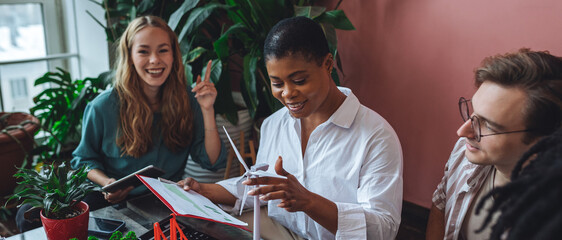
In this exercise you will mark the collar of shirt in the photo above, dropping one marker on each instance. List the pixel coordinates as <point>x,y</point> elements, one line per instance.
<point>476,179</point>
<point>473,173</point>
<point>346,113</point>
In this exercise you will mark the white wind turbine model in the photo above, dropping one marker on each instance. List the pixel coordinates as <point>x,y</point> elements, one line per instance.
<point>258,170</point>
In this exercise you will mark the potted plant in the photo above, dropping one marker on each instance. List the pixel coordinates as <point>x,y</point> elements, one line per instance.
<point>58,191</point>
<point>16,140</point>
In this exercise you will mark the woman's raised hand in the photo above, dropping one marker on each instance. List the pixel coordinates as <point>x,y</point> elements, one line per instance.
<point>205,90</point>
<point>294,197</point>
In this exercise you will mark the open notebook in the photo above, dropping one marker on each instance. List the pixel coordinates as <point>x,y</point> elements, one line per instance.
<point>190,203</point>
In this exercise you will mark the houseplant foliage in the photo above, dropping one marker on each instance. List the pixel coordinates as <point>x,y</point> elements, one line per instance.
<point>233,32</point>
<point>117,235</point>
<point>60,108</point>
<point>57,190</point>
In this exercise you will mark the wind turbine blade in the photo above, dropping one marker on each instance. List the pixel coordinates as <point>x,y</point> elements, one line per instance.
<point>244,199</point>
<point>261,173</point>
<point>236,151</point>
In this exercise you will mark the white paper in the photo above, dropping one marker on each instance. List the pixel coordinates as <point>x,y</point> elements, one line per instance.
<point>190,202</point>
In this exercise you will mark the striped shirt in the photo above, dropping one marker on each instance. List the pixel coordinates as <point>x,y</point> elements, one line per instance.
<point>458,188</point>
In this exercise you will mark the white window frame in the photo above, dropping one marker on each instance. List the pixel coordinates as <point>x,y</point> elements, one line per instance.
<point>54,28</point>
<point>71,33</point>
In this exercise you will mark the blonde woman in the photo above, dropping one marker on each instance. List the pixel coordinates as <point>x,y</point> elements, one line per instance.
<point>150,116</point>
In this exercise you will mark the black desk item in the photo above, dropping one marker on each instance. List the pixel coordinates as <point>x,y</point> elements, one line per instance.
<point>104,226</point>
<point>132,180</point>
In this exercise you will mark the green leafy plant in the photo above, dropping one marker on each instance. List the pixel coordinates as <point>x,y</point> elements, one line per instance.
<point>60,108</point>
<point>56,190</point>
<point>233,32</point>
<point>117,235</point>
<point>5,213</point>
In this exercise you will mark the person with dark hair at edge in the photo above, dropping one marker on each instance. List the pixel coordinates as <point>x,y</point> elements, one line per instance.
<point>343,161</point>
<point>529,207</point>
<point>518,102</point>
<point>149,117</point>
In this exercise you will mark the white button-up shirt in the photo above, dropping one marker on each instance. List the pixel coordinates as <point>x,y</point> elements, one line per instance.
<point>353,159</point>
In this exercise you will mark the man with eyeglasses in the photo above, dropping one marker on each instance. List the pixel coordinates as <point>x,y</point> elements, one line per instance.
<point>518,101</point>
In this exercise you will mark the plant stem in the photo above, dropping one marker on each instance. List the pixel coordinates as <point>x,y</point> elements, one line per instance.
<point>265,83</point>
<point>162,8</point>
<point>109,21</point>
<point>237,64</point>
<point>258,12</point>
<point>338,5</point>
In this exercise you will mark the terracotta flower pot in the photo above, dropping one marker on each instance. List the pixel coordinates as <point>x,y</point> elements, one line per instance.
<point>11,153</point>
<point>63,229</point>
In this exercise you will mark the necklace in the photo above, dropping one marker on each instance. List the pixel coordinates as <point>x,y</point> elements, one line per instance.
<point>494,180</point>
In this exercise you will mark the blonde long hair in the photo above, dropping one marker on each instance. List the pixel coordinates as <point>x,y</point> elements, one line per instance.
<point>135,115</point>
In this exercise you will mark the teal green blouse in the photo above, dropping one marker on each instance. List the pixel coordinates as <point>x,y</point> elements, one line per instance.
<point>98,148</point>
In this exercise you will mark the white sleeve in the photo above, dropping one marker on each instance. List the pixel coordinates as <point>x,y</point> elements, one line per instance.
<point>379,195</point>
<point>233,186</point>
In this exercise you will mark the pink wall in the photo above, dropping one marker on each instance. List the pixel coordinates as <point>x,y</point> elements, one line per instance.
<point>410,60</point>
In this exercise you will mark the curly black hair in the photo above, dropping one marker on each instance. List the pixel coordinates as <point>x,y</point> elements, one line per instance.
<point>530,205</point>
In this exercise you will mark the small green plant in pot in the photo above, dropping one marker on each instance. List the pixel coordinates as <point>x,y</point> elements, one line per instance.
<point>58,191</point>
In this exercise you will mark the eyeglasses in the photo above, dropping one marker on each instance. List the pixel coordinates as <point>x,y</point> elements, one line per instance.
<point>475,121</point>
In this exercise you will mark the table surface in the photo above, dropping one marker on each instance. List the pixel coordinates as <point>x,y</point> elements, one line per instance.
<point>139,215</point>
<point>133,221</point>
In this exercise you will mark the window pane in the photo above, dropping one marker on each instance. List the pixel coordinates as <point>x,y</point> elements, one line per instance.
<point>22,33</point>
<point>17,84</point>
